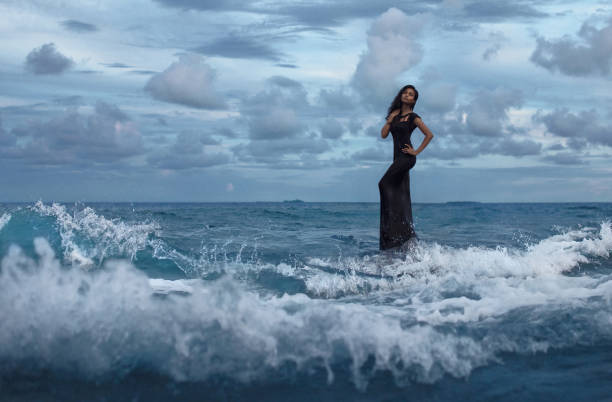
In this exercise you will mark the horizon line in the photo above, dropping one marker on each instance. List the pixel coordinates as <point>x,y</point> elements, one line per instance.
<point>306,202</point>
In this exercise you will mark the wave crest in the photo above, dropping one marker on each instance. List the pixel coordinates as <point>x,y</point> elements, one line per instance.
<point>87,237</point>
<point>106,323</point>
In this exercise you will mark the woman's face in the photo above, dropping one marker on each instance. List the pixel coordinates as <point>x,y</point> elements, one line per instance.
<point>408,96</point>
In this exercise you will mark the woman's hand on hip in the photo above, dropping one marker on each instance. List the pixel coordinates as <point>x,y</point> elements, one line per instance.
<point>409,150</point>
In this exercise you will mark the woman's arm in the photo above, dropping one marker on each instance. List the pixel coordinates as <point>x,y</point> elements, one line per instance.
<point>428,136</point>
<point>384,132</point>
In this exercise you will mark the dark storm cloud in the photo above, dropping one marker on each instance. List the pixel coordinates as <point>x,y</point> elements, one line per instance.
<point>284,82</point>
<point>227,132</point>
<point>111,111</point>
<point>586,125</point>
<point>189,82</point>
<point>72,138</point>
<point>491,51</point>
<point>331,128</point>
<point>555,147</point>
<point>47,60</point>
<point>235,46</point>
<point>451,142</point>
<point>285,65</point>
<point>489,109</point>
<point>460,26</point>
<point>356,125</point>
<point>589,55</point>
<point>6,138</point>
<point>565,158</point>
<point>496,39</point>
<point>452,150</point>
<point>456,147</point>
<point>79,26</point>
<point>159,119</point>
<point>274,152</point>
<point>372,154</point>
<point>213,5</point>
<point>511,147</point>
<point>322,14</point>
<point>336,13</point>
<point>373,131</point>
<point>437,97</point>
<point>311,13</point>
<point>143,72</point>
<point>115,65</point>
<point>188,151</point>
<point>23,110</point>
<point>337,99</point>
<point>308,162</point>
<point>501,10</point>
<point>201,160</point>
<point>577,143</point>
<point>307,144</point>
<point>73,100</point>
<point>517,184</point>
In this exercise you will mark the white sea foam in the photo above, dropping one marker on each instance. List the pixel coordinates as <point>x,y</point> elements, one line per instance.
<point>106,322</point>
<point>435,285</point>
<point>4,219</point>
<point>442,285</point>
<point>433,262</point>
<point>165,286</point>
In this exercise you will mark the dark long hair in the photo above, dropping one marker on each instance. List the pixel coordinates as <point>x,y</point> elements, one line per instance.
<point>397,101</point>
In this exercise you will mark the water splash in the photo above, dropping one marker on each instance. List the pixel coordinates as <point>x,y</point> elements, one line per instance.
<point>104,324</point>
<point>88,238</point>
<point>4,219</point>
<point>432,262</point>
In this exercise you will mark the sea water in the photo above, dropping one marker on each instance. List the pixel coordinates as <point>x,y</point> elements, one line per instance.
<point>294,301</point>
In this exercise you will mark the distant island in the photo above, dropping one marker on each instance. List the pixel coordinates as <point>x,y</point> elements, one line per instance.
<point>294,201</point>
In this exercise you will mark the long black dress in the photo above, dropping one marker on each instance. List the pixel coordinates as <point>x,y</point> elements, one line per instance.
<point>396,226</point>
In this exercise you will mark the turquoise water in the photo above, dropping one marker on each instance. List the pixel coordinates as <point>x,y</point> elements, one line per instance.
<point>278,301</point>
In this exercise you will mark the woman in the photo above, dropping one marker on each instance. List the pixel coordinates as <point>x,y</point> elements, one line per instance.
<point>395,206</point>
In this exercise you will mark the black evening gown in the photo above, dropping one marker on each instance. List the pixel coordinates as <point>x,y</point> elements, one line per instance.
<point>396,226</point>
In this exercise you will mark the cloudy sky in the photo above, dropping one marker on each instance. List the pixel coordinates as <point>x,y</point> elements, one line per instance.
<point>211,100</point>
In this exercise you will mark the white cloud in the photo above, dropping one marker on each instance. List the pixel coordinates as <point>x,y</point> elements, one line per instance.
<point>189,81</point>
<point>392,50</point>
<point>489,109</point>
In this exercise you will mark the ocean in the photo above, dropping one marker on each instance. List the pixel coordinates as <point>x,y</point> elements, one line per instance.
<point>293,301</point>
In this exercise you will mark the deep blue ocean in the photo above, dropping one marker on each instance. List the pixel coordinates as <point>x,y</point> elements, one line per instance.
<point>294,302</point>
